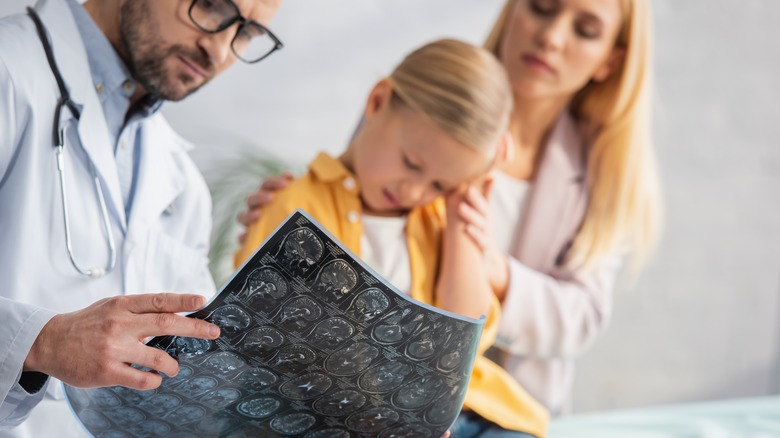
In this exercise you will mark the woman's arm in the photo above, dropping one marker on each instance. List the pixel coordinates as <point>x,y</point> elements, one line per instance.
<point>558,313</point>
<point>544,314</point>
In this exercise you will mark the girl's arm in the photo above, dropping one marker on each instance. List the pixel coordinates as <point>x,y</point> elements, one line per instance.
<point>463,286</point>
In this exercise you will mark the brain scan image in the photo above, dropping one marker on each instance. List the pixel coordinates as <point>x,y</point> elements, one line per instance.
<point>352,359</point>
<point>197,386</point>
<point>369,304</point>
<point>332,332</point>
<point>105,398</point>
<point>295,357</point>
<point>114,434</point>
<point>417,394</point>
<point>150,428</point>
<point>412,431</point>
<point>306,387</point>
<point>301,250</point>
<point>215,425</point>
<point>336,279</point>
<point>292,424</point>
<point>224,363</point>
<point>257,379</point>
<point>384,377</point>
<point>340,403</point>
<point>331,432</point>
<point>125,415</point>
<point>260,407</point>
<point>219,398</point>
<point>94,419</point>
<point>160,404</point>
<point>263,339</point>
<point>372,420</point>
<point>265,284</point>
<point>450,361</point>
<point>397,325</point>
<point>190,346</point>
<point>230,318</point>
<point>314,345</point>
<point>185,414</point>
<point>133,396</point>
<point>300,312</point>
<point>447,407</point>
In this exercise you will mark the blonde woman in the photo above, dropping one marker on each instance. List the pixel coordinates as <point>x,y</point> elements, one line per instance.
<point>432,128</point>
<point>580,190</point>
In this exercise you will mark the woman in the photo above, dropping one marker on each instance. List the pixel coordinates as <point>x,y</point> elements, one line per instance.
<point>580,190</point>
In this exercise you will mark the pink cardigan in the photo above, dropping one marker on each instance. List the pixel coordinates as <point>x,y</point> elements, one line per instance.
<point>551,313</point>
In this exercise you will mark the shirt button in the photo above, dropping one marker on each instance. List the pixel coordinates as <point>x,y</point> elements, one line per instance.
<point>128,86</point>
<point>123,144</point>
<point>353,216</point>
<point>100,88</point>
<point>349,183</point>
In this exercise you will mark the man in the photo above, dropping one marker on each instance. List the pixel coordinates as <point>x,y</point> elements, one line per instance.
<point>119,208</point>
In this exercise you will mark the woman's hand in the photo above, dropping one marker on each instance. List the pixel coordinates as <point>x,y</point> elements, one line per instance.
<point>259,199</point>
<point>473,211</point>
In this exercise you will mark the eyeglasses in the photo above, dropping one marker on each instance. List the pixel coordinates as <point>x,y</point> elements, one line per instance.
<point>253,41</point>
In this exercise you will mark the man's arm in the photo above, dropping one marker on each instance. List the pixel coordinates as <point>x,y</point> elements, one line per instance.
<point>91,347</point>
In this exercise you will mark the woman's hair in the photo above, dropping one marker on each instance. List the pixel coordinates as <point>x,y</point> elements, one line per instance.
<point>463,89</point>
<point>624,194</point>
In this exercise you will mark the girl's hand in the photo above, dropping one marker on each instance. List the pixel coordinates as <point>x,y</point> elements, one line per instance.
<point>259,199</point>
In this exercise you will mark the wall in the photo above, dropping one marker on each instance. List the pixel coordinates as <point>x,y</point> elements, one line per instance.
<point>702,320</point>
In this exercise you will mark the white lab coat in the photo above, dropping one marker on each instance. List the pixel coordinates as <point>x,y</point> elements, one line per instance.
<point>163,246</point>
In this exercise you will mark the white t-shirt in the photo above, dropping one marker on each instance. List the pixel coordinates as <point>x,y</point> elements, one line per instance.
<point>383,246</point>
<point>507,201</point>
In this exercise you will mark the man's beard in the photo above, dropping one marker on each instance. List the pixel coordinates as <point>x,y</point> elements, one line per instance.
<point>146,56</point>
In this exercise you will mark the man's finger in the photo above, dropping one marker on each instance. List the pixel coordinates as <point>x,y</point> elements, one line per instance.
<point>155,359</point>
<point>259,199</point>
<point>162,303</point>
<point>276,182</point>
<point>125,375</point>
<point>247,218</point>
<point>170,324</point>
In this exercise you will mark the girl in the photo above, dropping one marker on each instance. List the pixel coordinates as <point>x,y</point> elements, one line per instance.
<point>430,128</point>
<point>579,190</point>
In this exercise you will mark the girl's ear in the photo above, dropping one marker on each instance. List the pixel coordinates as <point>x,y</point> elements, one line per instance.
<point>612,64</point>
<point>379,98</point>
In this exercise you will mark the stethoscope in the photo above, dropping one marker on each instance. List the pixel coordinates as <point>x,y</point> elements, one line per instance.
<point>59,146</point>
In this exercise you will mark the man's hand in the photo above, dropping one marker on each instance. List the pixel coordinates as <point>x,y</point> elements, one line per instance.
<point>96,345</point>
<point>259,199</point>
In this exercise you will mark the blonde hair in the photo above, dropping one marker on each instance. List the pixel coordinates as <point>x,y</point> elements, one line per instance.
<point>624,194</point>
<point>461,88</point>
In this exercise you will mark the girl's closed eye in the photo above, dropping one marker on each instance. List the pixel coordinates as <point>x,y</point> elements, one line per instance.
<point>409,164</point>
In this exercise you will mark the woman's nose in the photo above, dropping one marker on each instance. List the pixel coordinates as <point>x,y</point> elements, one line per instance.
<point>552,35</point>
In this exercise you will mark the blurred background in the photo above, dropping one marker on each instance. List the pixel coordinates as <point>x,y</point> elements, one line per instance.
<point>702,322</point>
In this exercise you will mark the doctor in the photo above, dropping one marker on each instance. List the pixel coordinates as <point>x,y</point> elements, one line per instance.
<point>98,197</point>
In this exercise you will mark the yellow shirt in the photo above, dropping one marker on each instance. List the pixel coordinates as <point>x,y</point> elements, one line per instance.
<point>330,194</point>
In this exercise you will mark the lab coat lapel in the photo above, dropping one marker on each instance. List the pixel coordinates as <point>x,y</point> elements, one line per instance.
<point>73,63</point>
<point>160,178</point>
<point>557,197</point>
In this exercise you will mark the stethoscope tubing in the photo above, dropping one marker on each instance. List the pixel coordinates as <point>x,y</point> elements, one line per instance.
<point>59,140</point>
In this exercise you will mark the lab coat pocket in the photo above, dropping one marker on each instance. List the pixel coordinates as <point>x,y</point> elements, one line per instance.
<point>170,265</point>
